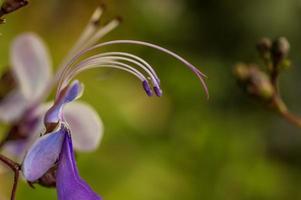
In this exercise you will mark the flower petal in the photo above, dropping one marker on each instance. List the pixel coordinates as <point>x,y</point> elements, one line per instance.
<point>31,64</point>
<point>68,94</point>
<point>69,185</point>
<point>12,107</point>
<point>85,124</point>
<point>43,154</point>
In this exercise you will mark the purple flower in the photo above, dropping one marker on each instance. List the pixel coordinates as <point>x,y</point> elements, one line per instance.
<point>53,151</point>
<point>24,108</point>
<point>69,184</point>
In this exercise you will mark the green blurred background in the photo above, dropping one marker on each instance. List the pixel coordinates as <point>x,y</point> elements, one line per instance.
<point>180,146</point>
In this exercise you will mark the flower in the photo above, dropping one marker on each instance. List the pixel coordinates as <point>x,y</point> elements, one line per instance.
<point>53,152</point>
<point>55,149</point>
<point>23,106</point>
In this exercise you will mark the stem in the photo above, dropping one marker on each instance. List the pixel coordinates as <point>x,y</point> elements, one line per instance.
<point>285,113</point>
<point>292,118</point>
<point>15,167</point>
<point>274,79</point>
<point>277,100</point>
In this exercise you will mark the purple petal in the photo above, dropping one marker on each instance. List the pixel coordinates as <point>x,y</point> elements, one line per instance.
<point>69,185</point>
<point>31,64</point>
<point>68,94</point>
<point>43,154</point>
<point>85,124</point>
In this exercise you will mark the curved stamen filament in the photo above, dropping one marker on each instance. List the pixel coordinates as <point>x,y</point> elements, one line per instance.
<point>129,55</point>
<point>88,40</point>
<point>102,32</point>
<point>85,43</point>
<point>104,62</point>
<point>98,63</point>
<point>88,37</point>
<point>153,77</point>
<point>90,29</point>
<point>199,74</point>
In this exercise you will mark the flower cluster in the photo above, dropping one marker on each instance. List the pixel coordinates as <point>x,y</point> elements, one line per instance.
<point>262,81</point>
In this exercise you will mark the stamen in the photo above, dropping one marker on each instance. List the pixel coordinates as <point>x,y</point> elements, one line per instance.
<point>100,63</point>
<point>106,62</point>
<point>142,61</point>
<point>88,40</point>
<point>88,31</point>
<point>152,46</point>
<point>158,91</point>
<point>181,59</point>
<point>139,64</point>
<point>199,74</point>
<point>147,88</point>
<point>102,32</point>
<point>95,18</point>
<point>102,59</point>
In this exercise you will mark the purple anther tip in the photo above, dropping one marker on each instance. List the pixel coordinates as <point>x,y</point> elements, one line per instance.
<point>158,91</point>
<point>147,88</point>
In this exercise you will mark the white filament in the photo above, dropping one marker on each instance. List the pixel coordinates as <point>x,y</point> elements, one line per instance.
<point>101,32</point>
<point>142,61</point>
<point>153,77</point>
<point>103,61</point>
<point>200,75</point>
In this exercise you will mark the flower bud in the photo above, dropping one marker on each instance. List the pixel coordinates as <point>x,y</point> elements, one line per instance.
<point>241,72</point>
<point>254,81</point>
<point>261,85</point>
<point>264,47</point>
<point>280,49</point>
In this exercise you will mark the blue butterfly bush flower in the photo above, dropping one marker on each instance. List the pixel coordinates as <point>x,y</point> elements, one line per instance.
<point>53,151</point>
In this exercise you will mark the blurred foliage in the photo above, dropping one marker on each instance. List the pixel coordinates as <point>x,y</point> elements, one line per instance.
<point>179,146</point>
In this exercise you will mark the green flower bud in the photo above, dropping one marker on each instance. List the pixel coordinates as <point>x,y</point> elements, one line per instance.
<point>241,72</point>
<point>254,81</point>
<point>261,84</point>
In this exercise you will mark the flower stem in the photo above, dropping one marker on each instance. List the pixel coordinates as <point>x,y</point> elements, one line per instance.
<point>278,102</point>
<point>15,167</point>
<point>282,109</point>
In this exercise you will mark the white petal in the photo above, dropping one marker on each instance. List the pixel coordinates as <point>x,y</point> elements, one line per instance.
<point>85,124</point>
<point>31,64</point>
<point>12,106</point>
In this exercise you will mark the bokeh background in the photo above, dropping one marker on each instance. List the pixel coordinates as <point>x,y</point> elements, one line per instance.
<point>180,146</point>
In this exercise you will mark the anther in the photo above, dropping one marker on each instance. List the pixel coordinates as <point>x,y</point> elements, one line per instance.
<point>158,91</point>
<point>147,88</point>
